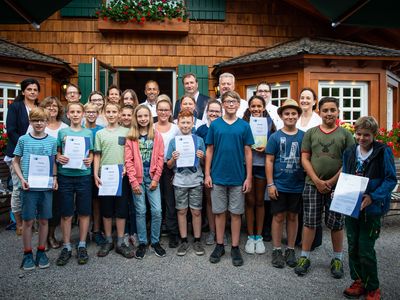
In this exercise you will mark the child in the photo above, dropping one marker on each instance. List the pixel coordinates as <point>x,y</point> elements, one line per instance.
<point>144,152</point>
<point>73,187</point>
<point>188,185</point>
<point>226,174</point>
<point>126,116</point>
<point>35,202</point>
<point>109,150</point>
<point>285,178</point>
<point>322,150</point>
<point>374,160</point>
<point>255,199</point>
<point>130,98</point>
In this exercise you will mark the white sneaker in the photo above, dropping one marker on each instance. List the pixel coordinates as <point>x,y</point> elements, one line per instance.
<point>250,246</point>
<point>260,248</point>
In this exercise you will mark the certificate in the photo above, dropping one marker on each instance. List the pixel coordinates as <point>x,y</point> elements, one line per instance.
<point>348,194</point>
<point>111,180</point>
<point>259,128</point>
<point>76,149</point>
<point>187,151</point>
<point>40,175</point>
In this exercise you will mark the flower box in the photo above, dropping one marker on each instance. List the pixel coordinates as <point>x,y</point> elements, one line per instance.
<point>172,26</point>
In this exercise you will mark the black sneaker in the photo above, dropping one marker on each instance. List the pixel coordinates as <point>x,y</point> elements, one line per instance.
<point>215,256</point>
<point>303,264</point>
<point>82,255</point>
<point>337,268</point>
<point>290,258</point>
<point>278,261</point>
<point>105,249</point>
<point>64,257</point>
<point>98,238</point>
<point>173,241</point>
<point>141,251</point>
<point>125,251</point>
<point>237,259</point>
<point>158,250</point>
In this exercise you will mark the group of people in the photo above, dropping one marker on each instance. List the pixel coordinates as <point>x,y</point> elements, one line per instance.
<point>284,174</point>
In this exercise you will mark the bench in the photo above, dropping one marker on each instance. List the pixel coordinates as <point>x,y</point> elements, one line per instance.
<point>5,194</point>
<point>395,203</point>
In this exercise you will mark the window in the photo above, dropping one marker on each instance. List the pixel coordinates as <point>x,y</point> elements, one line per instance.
<point>353,98</point>
<point>280,92</point>
<point>8,92</point>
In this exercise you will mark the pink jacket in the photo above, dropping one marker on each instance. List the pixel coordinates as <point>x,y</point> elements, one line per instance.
<point>134,164</point>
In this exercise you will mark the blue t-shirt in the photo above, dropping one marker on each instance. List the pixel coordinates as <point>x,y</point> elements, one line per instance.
<point>94,131</point>
<point>202,131</point>
<point>229,140</point>
<point>146,149</point>
<point>288,173</point>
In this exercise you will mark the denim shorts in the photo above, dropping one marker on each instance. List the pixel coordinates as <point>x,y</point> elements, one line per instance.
<point>36,204</point>
<point>78,188</point>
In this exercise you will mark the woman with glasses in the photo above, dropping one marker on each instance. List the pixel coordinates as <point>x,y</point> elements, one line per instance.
<point>97,98</point>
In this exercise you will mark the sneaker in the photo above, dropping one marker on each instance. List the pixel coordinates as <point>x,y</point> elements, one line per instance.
<point>133,240</point>
<point>42,261</point>
<point>355,290</point>
<point>250,247</point>
<point>198,248</point>
<point>337,268</point>
<point>64,257</point>
<point>141,251</point>
<point>237,259</point>
<point>183,248</point>
<point>125,250</point>
<point>278,261</point>
<point>373,295</point>
<point>303,264</point>
<point>105,249</point>
<point>210,240</point>
<point>98,238</point>
<point>27,262</point>
<point>164,230</point>
<point>173,241</point>
<point>290,257</point>
<point>260,248</point>
<point>82,255</point>
<point>158,250</point>
<point>215,256</point>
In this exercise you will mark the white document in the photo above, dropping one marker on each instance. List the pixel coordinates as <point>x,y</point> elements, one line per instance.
<point>75,150</point>
<point>348,194</point>
<point>111,180</point>
<point>40,168</point>
<point>187,151</point>
<point>259,129</point>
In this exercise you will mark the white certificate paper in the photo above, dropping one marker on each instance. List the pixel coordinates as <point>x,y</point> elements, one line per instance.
<point>259,128</point>
<point>348,194</point>
<point>76,150</point>
<point>111,180</point>
<point>40,174</point>
<point>187,151</point>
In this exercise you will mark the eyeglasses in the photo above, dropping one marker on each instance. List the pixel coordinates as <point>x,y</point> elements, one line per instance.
<point>231,102</point>
<point>263,91</point>
<point>97,100</point>
<point>73,93</point>
<point>214,111</point>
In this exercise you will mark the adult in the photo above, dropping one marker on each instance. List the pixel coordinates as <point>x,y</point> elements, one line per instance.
<point>264,90</point>
<point>152,91</point>
<point>191,87</point>
<point>129,97</point>
<point>113,94</point>
<point>17,123</point>
<point>73,94</point>
<point>97,98</point>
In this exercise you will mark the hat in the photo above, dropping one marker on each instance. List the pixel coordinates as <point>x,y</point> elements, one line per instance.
<point>290,103</point>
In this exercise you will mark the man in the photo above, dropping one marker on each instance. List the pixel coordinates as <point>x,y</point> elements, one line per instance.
<point>152,91</point>
<point>73,95</point>
<point>264,90</point>
<point>191,87</point>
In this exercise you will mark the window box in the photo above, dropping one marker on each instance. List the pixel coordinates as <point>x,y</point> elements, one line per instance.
<point>172,26</point>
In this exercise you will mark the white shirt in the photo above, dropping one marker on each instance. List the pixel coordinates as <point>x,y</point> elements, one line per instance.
<point>314,121</point>
<point>49,131</point>
<point>152,108</point>
<point>168,136</point>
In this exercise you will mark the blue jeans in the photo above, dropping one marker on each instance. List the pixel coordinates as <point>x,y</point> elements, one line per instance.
<point>155,205</point>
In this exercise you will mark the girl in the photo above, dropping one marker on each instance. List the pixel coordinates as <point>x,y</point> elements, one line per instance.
<point>144,159</point>
<point>255,199</point>
<point>189,103</point>
<point>113,94</point>
<point>168,131</point>
<point>97,98</point>
<point>129,97</point>
<point>213,111</point>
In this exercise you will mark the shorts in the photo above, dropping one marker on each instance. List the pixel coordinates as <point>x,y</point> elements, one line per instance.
<point>313,206</point>
<point>36,204</point>
<point>116,206</point>
<point>259,172</point>
<point>75,192</point>
<point>188,197</point>
<point>95,189</point>
<point>225,198</point>
<point>290,202</point>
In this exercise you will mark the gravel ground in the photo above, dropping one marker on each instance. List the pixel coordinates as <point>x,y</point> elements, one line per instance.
<point>191,276</point>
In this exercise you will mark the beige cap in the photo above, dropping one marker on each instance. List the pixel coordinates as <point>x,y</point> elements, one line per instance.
<point>290,103</point>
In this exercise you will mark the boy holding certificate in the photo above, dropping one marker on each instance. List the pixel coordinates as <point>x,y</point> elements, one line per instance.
<point>374,160</point>
<point>75,145</point>
<point>37,173</point>
<point>188,180</point>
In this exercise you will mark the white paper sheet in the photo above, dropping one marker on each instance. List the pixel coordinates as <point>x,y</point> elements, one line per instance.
<point>111,179</point>
<point>187,151</point>
<point>75,150</point>
<point>39,175</point>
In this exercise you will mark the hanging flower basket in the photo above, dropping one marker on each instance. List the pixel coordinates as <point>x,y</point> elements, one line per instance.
<point>167,26</point>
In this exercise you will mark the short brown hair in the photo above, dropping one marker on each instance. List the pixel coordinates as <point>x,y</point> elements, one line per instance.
<point>48,101</point>
<point>73,85</point>
<point>184,114</point>
<point>38,113</point>
<point>367,122</point>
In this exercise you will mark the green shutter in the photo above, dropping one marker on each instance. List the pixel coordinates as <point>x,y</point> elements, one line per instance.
<point>206,9</point>
<point>202,77</point>
<point>85,80</point>
<point>81,8</point>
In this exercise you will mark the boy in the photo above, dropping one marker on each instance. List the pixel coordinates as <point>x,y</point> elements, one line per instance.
<point>109,150</point>
<point>322,150</point>
<point>188,185</point>
<point>226,174</point>
<point>73,186</point>
<point>285,182</point>
<point>374,160</point>
<point>35,202</point>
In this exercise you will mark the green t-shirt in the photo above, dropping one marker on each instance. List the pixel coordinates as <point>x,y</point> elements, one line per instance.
<point>110,143</point>
<point>326,150</point>
<point>62,134</point>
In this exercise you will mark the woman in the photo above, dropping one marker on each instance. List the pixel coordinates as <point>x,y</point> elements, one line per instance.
<point>97,98</point>
<point>129,97</point>
<point>17,124</point>
<point>113,94</point>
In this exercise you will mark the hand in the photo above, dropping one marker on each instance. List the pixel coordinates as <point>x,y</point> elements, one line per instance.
<point>25,185</point>
<point>87,161</point>
<point>260,149</point>
<point>200,154</point>
<point>273,192</point>
<point>323,187</point>
<point>137,190</point>
<point>247,185</point>
<point>123,171</point>
<point>62,159</point>
<point>97,181</point>
<point>153,185</point>
<point>175,155</point>
<point>55,184</point>
<point>366,201</point>
<point>208,181</point>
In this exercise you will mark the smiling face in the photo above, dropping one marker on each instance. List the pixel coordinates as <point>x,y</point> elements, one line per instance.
<point>126,117</point>
<point>91,115</point>
<point>128,99</point>
<point>188,104</point>
<point>185,125</point>
<point>143,117</point>
<point>75,114</point>
<point>264,91</point>
<point>214,111</point>
<point>364,138</point>
<point>190,85</point>
<point>307,100</point>
<point>256,108</point>
<point>163,111</point>
<point>329,112</point>
<point>230,105</point>
<point>31,92</point>
<point>72,94</point>
<point>38,125</point>
<point>112,114</point>
<point>98,100</point>
<point>52,109</point>
<point>226,84</point>
<point>289,117</point>
<point>152,91</point>
<point>114,96</point>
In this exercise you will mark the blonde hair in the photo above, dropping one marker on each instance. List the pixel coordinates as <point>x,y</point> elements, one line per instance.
<point>91,105</point>
<point>134,132</point>
<point>38,113</point>
<point>113,104</point>
<point>165,99</point>
<point>75,103</point>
